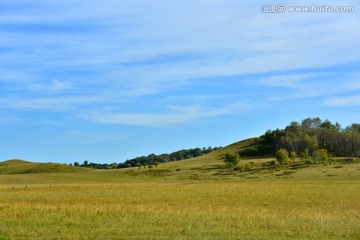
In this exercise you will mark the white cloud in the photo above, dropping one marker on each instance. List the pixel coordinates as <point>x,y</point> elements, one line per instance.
<point>139,48</point>
<point>11,119</point>
<point>91,137</point>
<point>51,103</point>
<point>54,85</point>
<point>175,115</point>
<point>15,77</point>
<point>321,83</point>
<point>293,81</point>
<point>343,101</point>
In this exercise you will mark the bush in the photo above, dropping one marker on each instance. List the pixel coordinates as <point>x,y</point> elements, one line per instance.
<point>231,159</point>
<point>293,155</point>
<point>243,167</point>
<point>282,156</point>
<point>252,151</point>
<point>319,155</point>
<point>305,155</point>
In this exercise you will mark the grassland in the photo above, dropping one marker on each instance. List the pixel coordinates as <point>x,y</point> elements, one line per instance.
<point>242,210</point>
<point>198,198</point>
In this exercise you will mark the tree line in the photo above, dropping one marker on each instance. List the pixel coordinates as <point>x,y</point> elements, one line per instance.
<point>152,159</point>
<point>313,141</point>
<point>174,156</point>
<point>311,135</point>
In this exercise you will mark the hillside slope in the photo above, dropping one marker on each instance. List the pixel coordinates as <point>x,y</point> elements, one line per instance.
<point>211,167</point>
<point>16,166</point>
<point>216,157</point>
<point>205,164</point>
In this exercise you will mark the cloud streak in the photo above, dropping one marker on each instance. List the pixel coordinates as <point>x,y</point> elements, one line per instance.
<point>175,115</point>
<point>51,103</point>
<point>132,50</point>
<point>104,68</point>
<point>348,101</point>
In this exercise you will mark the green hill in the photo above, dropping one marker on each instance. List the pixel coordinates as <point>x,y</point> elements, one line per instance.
<point>202,167</point>
<point>17,166</point>
<point>211,166</point>
<point>216,157</point>
<point>208,164</point>
<point>205,167</point>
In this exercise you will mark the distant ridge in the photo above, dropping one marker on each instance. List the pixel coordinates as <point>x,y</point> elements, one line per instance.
<point>17,166</point>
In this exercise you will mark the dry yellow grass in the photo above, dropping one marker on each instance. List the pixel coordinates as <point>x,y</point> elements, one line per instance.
<point>192,199</point>
<point>278,209</point>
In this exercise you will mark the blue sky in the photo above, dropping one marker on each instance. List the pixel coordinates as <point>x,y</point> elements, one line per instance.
<point>106,81</point>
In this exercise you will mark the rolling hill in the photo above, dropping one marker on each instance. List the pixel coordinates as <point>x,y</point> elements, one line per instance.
<point>17,166</point>
<point>206,167</point>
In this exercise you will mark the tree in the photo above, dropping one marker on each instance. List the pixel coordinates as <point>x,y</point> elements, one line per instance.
<point>306,154</point>
<point>156,164</point>
<point>316,156</point>
<point>319,155</point>
<point>282,156</point>
<point>323,154</point>
<point>138,165</point>
<point>76,164</point>
<point>355,127</point>
<point>231,159</point>
<point>86,162</point>
<point>293,155</point>
<point>327,125</point>
<point>310,143</point>
<point>294,127</point>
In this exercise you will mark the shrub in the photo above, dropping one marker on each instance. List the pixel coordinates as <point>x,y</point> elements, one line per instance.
<point>319,155</point>
<point>282,156</point>
<point>243,167</point>
<point>231,159</point>
<point>293,155</point>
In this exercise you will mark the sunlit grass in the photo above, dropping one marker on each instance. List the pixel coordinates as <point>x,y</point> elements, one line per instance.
<point>199,198</point>
<point>257,210</point>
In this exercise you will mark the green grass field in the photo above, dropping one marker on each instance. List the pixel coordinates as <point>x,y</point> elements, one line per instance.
<point>198,198</point>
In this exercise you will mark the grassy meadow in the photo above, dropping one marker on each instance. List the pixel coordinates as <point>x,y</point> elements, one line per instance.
<point>199,198</point>
<point>279,209</point>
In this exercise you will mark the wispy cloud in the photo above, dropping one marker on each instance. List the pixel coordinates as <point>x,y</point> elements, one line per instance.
<point>10,119</point>
<point>53,85</point>
<point>174,115</point>
<point>52,103</point>
<point>127,51</point>
<point>93,138</point>
<point>317,83</point>
<point>99,67</point>
<point>346,101</point>
<point>293,81</point>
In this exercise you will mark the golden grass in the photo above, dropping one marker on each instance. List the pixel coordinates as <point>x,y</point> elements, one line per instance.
<point>278,209</point>
<point>198,198</point>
